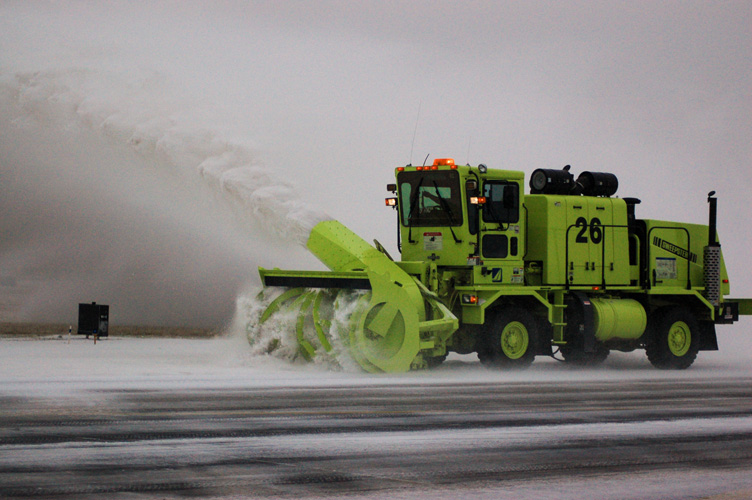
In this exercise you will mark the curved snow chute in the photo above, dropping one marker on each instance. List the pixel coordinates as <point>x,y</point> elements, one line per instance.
<point>395,317</point>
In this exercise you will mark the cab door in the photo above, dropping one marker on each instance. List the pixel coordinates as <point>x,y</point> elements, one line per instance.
<point>502,237</point>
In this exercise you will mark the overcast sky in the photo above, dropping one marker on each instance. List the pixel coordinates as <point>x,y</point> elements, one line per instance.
<point>326,96</point>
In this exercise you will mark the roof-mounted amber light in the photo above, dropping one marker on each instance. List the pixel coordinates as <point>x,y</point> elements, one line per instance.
<point>447,162</point>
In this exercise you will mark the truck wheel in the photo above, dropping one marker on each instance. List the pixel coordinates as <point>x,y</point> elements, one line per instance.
<point>674,339</point>
<point>510,339</point>
<point>577,356</point>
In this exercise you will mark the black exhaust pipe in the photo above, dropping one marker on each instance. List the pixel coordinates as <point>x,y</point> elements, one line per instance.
<point>712,237</point>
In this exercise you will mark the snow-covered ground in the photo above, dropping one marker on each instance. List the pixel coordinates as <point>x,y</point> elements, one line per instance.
<point>53,366</point>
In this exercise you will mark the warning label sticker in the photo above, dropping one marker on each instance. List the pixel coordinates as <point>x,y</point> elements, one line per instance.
<point>432,242</point>
<point>518,275</point>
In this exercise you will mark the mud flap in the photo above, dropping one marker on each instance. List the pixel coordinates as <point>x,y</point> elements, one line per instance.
<point>708,339</point>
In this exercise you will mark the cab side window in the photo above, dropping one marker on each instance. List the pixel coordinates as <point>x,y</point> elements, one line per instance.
<point>502,202</point>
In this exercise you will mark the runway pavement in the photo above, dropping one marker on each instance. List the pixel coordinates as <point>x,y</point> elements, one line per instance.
<point>670,438</point>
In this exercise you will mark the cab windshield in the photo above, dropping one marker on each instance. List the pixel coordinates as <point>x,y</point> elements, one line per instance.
<point>430,198</point>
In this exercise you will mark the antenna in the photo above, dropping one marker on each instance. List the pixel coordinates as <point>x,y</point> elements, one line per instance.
<point>415,132</point>
<point>424,161</point>
<point>469,141</point>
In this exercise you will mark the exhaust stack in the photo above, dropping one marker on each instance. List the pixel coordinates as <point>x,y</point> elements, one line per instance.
<point>712,256</point>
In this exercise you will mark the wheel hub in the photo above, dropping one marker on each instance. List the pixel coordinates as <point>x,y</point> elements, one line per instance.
<point>679,338</point>
<point>514,340</point>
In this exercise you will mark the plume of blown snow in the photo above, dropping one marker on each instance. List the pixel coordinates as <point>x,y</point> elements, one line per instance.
<point>140,113</point>
<point>118,189</point>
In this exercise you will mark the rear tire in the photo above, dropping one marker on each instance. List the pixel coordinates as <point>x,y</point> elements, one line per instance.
<point>510,339</point>
<point>674,339</point>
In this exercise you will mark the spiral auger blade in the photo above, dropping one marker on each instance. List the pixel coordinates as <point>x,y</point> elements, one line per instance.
<point>378,330</point>
<point>312,311</point>
<point>386,318</point>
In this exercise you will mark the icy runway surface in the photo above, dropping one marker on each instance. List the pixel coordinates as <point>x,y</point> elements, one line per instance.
<point>146,418</point>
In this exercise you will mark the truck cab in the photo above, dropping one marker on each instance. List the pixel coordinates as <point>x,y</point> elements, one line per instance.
<point>461,217</point>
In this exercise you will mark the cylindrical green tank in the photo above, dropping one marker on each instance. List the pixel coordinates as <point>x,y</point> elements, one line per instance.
<point>618,318</point>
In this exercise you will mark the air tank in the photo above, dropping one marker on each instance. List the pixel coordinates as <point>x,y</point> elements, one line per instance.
<point>618,318</point>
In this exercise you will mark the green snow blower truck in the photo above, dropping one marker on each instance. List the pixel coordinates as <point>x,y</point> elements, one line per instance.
<point>568,269</point>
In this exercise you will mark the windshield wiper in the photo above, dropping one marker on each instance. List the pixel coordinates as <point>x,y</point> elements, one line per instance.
<point>449,213</point>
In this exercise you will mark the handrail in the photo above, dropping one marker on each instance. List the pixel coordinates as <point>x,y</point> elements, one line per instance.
<point>689,251</point>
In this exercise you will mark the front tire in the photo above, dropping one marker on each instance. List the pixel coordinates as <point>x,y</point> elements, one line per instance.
<point>674,339</point>
<point>510,339</point>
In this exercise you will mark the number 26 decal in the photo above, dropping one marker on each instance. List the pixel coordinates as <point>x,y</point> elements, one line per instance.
<point>596,231</point>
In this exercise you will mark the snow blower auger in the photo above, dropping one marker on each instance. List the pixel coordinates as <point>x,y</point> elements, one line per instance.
<point>568,270</point>
<point>396,323</point>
